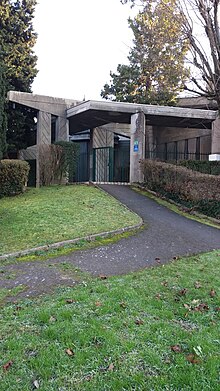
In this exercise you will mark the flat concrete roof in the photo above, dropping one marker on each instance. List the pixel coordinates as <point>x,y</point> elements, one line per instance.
<point>90,114</point>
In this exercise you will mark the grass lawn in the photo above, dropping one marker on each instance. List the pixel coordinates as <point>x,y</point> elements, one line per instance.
<point>58,213</point>
<point>153,330</point>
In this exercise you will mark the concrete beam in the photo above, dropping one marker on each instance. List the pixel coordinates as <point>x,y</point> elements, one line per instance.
<point>197,102</point>
<point>133,108</point>
<point>137,147</point>
<point>121,129</point>
<point>55,106</point>
<point>168,135</point>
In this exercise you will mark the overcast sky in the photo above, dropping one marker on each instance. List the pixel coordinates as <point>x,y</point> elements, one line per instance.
<point>79,42</point>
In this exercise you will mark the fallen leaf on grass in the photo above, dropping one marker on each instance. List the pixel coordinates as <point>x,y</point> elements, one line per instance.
<point>32,353</point>
<point>197,285</point>
<point>217,309</point>
<point>193,359</point>
<point>97,342</point>
<point>139,322</point>
<point>111,367</point>
<point>176,348</point>
<point>164,283</point>
<point>7,365</point>
<point>182,292</point>
<point>212,293</point>
<point>36,384</point>
<point>52,319</point>
<point>195,301</point>
<point>88,377</point>
<point>167,360</point>
<point>187,306</point>
<point>70,301</point>
<point>98,304</point>
<point>102,277</point>
<point>198,351</point>
<point>201,307</point>
<point>123,304</point>
<point>158,296</point>
<point>69,352</point>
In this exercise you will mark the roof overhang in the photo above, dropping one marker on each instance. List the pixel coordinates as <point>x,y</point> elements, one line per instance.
<point>91,114</point>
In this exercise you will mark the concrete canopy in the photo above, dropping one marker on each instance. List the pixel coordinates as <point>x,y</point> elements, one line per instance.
<point>91,114</point>
<point>148,126</point>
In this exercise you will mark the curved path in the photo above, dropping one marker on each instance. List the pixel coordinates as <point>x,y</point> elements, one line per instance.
<point>167,235</point>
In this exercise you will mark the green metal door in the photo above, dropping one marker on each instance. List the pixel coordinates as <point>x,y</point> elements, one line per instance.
<point>122,161</point>
<point>103,165</point>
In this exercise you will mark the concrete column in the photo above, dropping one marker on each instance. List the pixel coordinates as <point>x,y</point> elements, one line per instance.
<point>91,155</point>
<point>137,148</point>
<point>215,145</point>
<point>149,141</point>
<point>62,129</point>
<point>43,128</point>
<point>43,137</point>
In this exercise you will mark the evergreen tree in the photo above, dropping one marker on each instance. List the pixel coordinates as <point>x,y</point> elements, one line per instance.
<point>17,39</point>
<point>201,26</point>
<point>2,113</point>
<point>156,72</point>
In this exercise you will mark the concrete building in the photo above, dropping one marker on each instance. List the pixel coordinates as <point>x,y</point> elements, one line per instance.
<point>154,131</point>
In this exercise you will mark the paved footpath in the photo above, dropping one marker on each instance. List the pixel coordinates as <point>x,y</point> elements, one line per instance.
<point>167,235</point>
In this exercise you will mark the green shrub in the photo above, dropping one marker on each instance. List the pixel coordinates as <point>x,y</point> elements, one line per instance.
<point>70,157</point>
<point>190,188</point>
<point>50,164</point>
<point>13,177</point>
<point>203,166</point>
<point>58,162</point>
<point>208,207</point>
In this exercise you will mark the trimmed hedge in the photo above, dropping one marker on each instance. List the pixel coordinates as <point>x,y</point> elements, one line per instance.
<point>191,188</point>
<point>13,177</point>
<point>203,166</point>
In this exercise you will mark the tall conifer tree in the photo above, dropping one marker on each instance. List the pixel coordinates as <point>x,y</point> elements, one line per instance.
<point>201,26</point>
<point>156,72</point>
<point>17,39</point>
<point>2,113</point>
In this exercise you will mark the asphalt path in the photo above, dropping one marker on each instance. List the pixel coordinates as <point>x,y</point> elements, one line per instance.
<point>166,236</point>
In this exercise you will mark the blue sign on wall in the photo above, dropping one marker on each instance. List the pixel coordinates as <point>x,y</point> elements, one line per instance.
<point>135,146</point>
